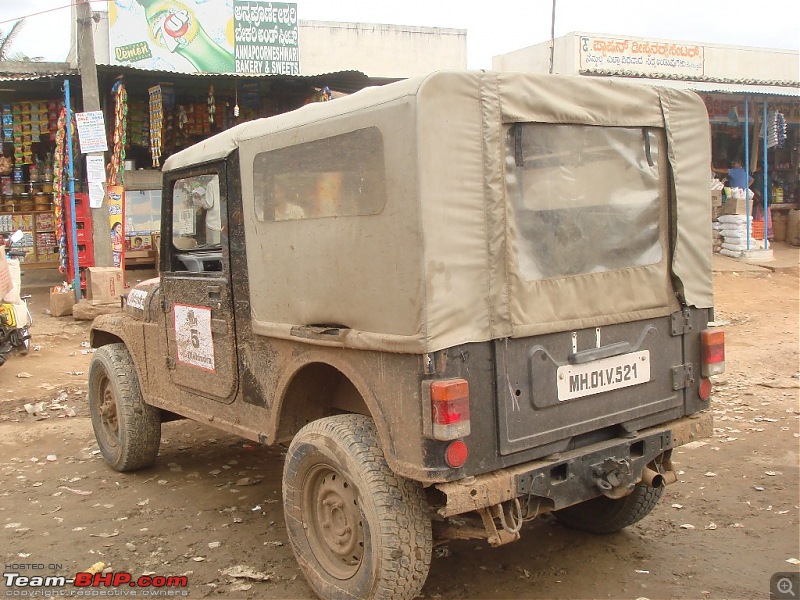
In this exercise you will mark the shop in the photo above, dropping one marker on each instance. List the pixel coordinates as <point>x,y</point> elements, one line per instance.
<point>148,115</point>
<point>164,112</point>
<point>730,114</point>
<point>30,106</point>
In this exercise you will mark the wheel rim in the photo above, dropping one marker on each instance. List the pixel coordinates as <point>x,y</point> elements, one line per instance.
<point>335,528</point>
<point>107,411</point>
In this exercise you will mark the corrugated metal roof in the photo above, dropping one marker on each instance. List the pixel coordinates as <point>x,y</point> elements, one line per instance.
<point>33,76</point>
<point>761,87</point>
<point>343,81</point>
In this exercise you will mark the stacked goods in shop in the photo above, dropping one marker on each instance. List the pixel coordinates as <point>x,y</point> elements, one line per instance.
<point>734,233</point>
<point>138,123</point>
<point>716,236</point>
<point>53,110</point>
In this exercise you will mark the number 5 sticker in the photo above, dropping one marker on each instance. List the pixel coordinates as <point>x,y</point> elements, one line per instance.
<point>193,338</point>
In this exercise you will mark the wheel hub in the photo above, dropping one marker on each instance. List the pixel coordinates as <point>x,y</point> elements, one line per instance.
<point>108,414</point>
<point>335,524</point>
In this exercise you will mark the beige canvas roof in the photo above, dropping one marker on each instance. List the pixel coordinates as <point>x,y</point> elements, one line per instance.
<point>437,267</point>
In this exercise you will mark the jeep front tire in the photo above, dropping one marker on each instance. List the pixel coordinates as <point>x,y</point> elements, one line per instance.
<point>128,431</point>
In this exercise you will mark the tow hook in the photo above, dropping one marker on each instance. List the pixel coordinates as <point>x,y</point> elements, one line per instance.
<point>614,477</point>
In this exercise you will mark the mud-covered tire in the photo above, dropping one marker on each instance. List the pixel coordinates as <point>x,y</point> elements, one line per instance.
<point>128,431</point>
<point>357,530</point>
<point>606,515</point>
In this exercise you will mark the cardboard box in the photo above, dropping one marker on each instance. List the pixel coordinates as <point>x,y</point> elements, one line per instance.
<point>103,285</point>
<point>716,198</point>
<point>734,206</point>
<point>61,303</point>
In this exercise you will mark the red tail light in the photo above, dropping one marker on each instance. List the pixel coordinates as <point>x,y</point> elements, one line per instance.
<point>450,409</point>
<point>712,351</point>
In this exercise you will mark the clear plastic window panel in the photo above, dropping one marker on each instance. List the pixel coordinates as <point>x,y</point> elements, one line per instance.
<point>196,212</point>
<point>339,176</point>
<point>585,199</point>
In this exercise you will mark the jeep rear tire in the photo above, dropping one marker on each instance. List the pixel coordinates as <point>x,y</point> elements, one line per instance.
<point>357,530</point>
<point>128,431</point>
<point>606,515</point>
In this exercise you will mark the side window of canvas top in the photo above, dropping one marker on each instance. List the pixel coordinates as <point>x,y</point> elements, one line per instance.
<point>339,176</point>
<point>585,199</point>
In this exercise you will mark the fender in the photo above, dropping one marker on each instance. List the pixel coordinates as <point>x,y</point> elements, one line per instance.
<point>121,328</point>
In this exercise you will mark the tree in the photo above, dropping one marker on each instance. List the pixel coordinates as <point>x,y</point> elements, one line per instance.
<point>7,39</point>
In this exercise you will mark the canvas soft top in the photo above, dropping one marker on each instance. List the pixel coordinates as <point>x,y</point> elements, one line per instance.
<point>437,266</point>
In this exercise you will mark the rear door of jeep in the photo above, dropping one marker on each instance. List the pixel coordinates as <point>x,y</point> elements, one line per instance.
<point>589,208</point>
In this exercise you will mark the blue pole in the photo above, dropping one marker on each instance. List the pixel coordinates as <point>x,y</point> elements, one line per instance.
<point>76,282</point>
<point>765,173</point>
<point>747,164</point>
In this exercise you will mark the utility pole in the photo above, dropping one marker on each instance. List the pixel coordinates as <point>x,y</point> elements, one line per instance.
<point>101,228</point>
<point>552,36</point>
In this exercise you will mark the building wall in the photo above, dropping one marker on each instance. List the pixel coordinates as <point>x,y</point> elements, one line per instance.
<point>379,50</point>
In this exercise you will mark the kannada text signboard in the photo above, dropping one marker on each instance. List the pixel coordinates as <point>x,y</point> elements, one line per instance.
<point>621,55</point>
<point>217,36</point>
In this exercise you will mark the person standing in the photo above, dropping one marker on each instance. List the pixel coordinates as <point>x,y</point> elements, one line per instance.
<point>207,198</point>
<point>737,176</point>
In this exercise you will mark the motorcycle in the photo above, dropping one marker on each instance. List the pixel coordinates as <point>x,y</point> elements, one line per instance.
<point>15,318</point>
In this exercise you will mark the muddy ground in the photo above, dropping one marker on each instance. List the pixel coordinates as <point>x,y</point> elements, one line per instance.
<point>212,501</point>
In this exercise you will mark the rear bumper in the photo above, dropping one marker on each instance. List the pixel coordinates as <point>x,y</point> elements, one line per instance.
<point>570,477</point>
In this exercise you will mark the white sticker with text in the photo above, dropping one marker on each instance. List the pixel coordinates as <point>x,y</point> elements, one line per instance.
<point>136,299</point>
<point>193,336</point>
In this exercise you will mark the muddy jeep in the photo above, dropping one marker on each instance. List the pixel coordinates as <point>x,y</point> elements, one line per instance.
<point>471,294</point>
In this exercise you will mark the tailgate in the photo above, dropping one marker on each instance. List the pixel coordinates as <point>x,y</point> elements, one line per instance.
<point>558,386</point>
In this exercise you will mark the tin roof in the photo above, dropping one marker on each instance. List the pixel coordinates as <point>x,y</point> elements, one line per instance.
<point>342,81</point>
<point>761,87</point>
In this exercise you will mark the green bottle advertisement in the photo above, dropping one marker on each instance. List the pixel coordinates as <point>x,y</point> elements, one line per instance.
<point>174,26</point>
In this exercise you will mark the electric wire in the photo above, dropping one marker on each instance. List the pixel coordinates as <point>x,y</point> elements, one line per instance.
<point>49,10</point>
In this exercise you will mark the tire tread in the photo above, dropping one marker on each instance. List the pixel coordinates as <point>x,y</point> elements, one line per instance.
<point>139,423</point>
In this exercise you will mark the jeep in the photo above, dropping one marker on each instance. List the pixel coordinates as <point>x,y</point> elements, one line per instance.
<point>462,300</point>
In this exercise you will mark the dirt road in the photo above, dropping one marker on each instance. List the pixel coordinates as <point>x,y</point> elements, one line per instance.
<point>212,502</point>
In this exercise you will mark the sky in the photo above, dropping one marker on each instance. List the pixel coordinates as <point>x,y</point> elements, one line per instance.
<point>496,27</point>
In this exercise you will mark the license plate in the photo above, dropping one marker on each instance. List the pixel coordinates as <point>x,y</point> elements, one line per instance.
<point>577,381</point>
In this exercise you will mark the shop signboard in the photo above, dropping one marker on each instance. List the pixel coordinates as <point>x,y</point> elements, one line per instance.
<point>631,55</point>
<point>216,36</point>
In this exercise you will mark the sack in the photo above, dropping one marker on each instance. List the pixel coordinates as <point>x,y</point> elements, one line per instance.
<point>15,274</point>
<point>731,253</point>
<point>734,219</point>
<point>5,275</point>
<point>793,228</point>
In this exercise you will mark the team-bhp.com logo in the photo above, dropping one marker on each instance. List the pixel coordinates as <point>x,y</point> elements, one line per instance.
<point>119,583</point>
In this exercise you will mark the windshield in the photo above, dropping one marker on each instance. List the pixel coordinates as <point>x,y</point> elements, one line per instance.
<point>585,199</point>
